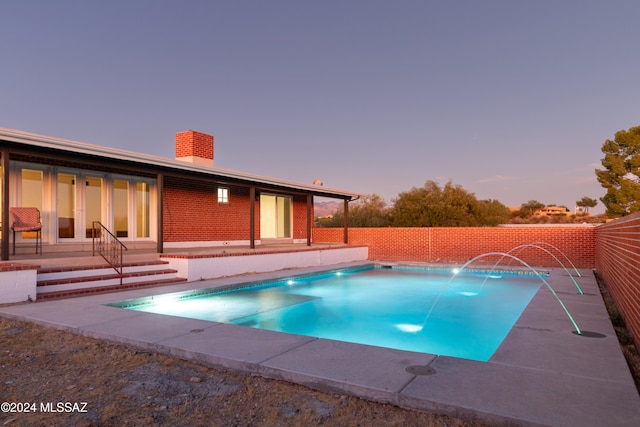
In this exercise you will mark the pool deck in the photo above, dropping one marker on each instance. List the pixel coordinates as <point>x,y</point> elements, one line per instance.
<point>542,374</point>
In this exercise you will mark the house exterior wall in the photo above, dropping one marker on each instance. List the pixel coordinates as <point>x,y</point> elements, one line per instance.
<point>618,263</point>
<point>459,244</point>
<point>300,217</point>
<point>192,212</point>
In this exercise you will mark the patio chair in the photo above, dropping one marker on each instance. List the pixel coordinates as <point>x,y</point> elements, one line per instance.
<point>26,219</point>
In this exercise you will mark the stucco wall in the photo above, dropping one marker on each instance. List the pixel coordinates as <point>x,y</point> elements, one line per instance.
<point>219,265</point>
<point>17,283</point>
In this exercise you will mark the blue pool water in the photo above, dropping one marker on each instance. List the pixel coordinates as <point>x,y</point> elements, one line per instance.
<point>472,315</point>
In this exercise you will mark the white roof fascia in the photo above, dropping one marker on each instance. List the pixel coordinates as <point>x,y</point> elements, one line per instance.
<point>119,154</point>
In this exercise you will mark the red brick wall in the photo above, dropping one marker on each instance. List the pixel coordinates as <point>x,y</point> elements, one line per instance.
<point>192,212</point>
<point>196,144</point>
<point>618,263</point>
<point>300,217</point>
<point>459,244</point>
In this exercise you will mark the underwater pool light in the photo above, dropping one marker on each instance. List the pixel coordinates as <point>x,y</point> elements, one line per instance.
<point>407,327</point>
<point>164,300</point>
<point>467,293</point>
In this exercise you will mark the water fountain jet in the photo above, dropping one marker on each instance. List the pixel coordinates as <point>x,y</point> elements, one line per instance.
<point>557,249</point>
<point>503,254</point>
<point>535,245</point>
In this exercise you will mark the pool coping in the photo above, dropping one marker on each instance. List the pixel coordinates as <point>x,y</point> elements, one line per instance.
<point>542,374</point>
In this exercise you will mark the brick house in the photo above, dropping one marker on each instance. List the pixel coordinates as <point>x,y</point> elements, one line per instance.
<point>148,201</point>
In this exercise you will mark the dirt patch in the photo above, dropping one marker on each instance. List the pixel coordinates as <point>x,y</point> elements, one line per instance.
<point>88,382</point>
<point>627,345</point>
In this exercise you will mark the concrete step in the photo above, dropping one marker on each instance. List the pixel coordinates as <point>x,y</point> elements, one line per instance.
<point>61,282</point>
<point>106,289</point>
<point>61,273</point>
<point>104,280</point>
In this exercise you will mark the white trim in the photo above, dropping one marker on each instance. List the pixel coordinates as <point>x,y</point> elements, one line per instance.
<point>196,161</point>
<point>208,244</point>
<point>203,268</point>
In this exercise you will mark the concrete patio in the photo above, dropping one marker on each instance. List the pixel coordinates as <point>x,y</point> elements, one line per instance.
<point>542,374</point>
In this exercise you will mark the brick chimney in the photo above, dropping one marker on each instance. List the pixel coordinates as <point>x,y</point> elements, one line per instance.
<point>194,147</point>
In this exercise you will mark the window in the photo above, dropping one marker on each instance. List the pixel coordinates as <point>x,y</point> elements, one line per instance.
<point>92,203</point>
<point>32,188</point>
<point>32,194</point>
<point>143,207</point>
<point>66,196</point>
<point>223,195</point>
<point>121,207</point>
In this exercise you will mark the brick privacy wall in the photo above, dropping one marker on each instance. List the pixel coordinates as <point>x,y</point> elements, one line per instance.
<point>192,212</point>
<point>460,244</point>
<point>618,263</point>
<point>196,144</point>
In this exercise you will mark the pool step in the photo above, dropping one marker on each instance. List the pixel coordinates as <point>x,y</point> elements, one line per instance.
<point>64,282</point>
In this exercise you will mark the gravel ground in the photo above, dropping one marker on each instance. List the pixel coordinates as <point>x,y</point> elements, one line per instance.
<point>64,379</point>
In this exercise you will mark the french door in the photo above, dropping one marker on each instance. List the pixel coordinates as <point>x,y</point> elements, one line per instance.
<point>79,202</point>
<point>123,205</point>
<point>70,200</point>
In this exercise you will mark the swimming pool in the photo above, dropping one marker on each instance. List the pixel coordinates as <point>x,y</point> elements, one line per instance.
<point>406,308</point>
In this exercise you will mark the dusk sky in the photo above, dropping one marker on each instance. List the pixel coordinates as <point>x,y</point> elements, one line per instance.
<point>512,100</point>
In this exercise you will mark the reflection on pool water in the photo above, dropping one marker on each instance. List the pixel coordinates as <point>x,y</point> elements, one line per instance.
<point>386,307</point>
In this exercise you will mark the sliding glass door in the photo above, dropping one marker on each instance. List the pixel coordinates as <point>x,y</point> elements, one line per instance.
<point>275,217</point>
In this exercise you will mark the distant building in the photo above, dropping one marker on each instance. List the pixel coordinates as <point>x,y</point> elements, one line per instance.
<point>553,211</point>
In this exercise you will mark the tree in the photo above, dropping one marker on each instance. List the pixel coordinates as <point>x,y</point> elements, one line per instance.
<point>449,206</point>
<point>621,174</point>
<point>492,212</point>
<point>368,211</point>
<point>529,208</point>
<point>586,203</point>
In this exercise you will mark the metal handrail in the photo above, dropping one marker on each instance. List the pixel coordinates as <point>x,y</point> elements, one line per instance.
<point>108,246</point>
